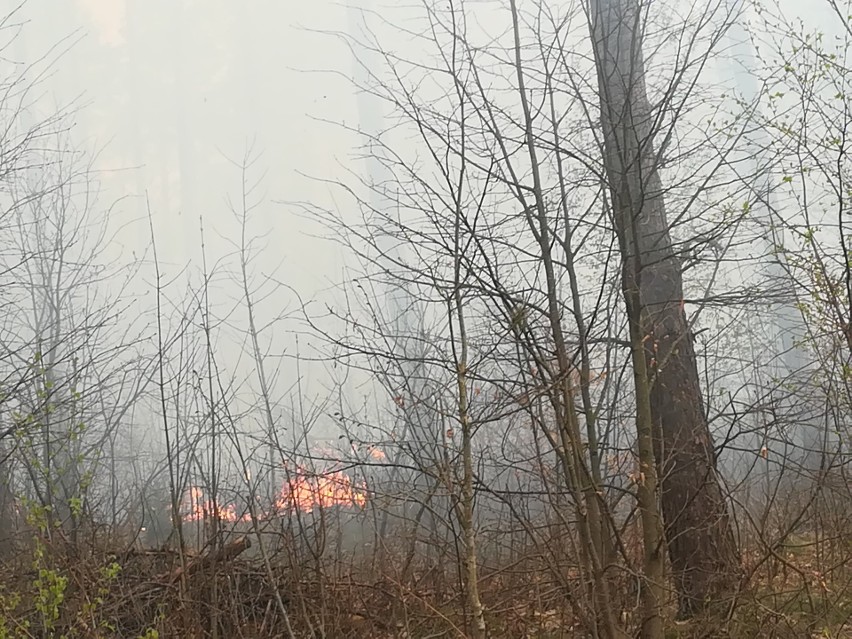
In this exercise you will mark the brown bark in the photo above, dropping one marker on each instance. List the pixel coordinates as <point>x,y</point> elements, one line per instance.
<point>7,503</point>
<point>701,545</point>
<point>647,481</point>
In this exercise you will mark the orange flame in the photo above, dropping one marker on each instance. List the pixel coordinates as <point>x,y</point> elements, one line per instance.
<point>303,491</point>
<point>194,508</point>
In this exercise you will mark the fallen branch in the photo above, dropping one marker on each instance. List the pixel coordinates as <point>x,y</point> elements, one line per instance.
<point>226,553</point>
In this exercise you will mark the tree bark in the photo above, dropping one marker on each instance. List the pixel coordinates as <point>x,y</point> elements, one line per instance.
<point>701,544</point>
<point>7,503</point>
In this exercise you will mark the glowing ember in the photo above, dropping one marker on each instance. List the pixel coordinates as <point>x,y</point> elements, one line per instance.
<point>303,491</point>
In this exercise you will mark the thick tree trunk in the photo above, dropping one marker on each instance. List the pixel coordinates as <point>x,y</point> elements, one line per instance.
<point>7,503</point>
<point>701,545</point>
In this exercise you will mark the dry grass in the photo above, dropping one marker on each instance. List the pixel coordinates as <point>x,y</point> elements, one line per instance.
<point>793,596</point>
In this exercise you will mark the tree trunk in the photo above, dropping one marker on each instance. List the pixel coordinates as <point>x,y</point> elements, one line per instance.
<point>701,545</point>
<point>647,481</point>
<point>7,503</point>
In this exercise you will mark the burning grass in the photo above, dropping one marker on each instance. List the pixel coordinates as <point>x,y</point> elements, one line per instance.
<point>301,490</point>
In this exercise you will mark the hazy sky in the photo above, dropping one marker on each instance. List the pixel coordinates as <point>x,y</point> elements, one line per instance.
<point>168,90</point>
<point>107,18</point>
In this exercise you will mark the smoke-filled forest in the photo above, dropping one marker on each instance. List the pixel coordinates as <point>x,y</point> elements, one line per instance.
<point>522,319</point>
